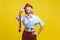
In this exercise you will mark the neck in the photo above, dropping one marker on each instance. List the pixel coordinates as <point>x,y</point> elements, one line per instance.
<point>29,14</point>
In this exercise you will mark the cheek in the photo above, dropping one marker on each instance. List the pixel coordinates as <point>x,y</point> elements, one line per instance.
<point>28,8</point>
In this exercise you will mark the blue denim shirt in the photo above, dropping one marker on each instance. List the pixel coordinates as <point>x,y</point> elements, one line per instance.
<point>31,23</point>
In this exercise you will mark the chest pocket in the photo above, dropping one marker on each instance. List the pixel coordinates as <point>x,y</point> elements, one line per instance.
<point>32,21</point>
<point>25,22</point>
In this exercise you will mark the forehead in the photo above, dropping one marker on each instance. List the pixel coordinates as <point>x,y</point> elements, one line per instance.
<point>28,7</point>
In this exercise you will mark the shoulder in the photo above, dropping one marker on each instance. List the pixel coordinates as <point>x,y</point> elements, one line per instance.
<point>36,16</point>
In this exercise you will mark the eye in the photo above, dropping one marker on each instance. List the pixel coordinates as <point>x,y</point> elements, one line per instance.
<point>28,8</point>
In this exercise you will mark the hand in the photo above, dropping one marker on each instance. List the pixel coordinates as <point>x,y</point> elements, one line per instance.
<point>34,33</point>
<point>22,9</point>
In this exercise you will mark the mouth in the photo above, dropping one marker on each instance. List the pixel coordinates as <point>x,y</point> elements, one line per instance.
<point>27,10</point>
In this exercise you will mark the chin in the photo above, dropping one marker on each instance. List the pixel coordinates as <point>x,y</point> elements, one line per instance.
<point>28,12</point>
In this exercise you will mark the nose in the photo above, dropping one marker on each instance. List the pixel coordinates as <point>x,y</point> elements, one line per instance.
<point>27,8</point>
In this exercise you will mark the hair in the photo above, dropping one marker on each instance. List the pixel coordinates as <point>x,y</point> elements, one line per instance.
<point>25,10</point>
<point>27,13</point>
<point>29,6</point>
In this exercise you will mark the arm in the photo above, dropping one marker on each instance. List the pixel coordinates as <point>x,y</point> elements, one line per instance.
<point>19,21</point>
<point>41,25</point>
<point>20,12</point>
<point>40,29</point>
<point>39,21</point>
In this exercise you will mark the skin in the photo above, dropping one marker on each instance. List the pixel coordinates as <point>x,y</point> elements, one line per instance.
<point>28,10</point>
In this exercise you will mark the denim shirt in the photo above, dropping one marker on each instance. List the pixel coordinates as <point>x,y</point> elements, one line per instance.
<point>31,23</point>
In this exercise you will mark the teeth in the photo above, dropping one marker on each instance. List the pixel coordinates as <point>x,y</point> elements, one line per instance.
<point>28,11</point>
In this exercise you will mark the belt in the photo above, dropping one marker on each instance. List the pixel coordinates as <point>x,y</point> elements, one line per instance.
<point>29,29</point>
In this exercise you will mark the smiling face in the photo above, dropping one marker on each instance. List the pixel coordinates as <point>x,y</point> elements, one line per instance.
<point>28,9</point>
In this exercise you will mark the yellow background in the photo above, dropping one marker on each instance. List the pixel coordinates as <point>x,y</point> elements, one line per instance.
<point>47,10</point>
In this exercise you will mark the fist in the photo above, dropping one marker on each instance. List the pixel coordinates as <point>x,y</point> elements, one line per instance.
<point>22,9</point>
<point>34,33</point>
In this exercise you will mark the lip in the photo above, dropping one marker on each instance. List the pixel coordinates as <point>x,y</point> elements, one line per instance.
<point>27,10</point>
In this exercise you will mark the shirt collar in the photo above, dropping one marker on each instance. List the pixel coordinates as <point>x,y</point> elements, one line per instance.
<point>30,16</point>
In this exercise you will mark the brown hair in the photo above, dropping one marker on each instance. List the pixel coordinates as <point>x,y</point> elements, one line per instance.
<point>25,8</point>
<point>29,6</point>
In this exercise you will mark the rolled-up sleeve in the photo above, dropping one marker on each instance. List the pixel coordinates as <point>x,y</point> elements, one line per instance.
<point>40,22</point>
<point>17,17</point>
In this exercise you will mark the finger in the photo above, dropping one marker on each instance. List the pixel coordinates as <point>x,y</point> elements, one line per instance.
<point>22,7</point>
<point>34,33</point>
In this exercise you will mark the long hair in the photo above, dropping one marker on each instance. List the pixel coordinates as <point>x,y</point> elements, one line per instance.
<point>31,11</point>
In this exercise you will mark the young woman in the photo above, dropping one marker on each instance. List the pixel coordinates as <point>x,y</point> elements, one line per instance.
<point>29,21</point>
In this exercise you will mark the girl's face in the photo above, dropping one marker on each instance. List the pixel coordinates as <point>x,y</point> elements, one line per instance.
<point>28,9</point>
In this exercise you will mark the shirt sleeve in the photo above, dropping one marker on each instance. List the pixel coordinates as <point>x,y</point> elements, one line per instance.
<point>17,17</point>
<point>40,21</point>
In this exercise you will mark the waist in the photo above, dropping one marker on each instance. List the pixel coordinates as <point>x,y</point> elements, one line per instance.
<point>29,29</point>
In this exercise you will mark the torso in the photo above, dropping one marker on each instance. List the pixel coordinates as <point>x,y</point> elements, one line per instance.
<point>30,23</point>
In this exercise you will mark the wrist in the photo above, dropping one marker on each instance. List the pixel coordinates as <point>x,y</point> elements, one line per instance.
<point>20,11</point>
